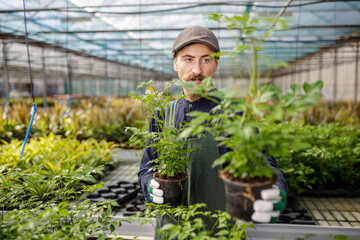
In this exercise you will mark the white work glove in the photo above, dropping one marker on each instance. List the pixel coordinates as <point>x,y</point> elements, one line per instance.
<point>156,194</point>
<point>270,206</point>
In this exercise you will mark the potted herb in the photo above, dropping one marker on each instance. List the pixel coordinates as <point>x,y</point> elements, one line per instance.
<point>169,167</point>
<point>242,125</point>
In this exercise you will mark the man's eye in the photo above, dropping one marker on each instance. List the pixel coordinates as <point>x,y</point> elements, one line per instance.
<point>188,59</point>
<point>206,60</point>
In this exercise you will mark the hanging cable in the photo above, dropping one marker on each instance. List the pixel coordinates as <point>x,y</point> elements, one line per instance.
<point>69,70</point>
<point>220,70</point>
<point>140,64</point>
<point>32,84</point>
<point>296,52</point>
<point>297,42</point>
<point>107,78</point>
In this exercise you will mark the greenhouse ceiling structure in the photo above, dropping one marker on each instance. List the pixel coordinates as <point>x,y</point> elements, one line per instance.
<point>133,39</point>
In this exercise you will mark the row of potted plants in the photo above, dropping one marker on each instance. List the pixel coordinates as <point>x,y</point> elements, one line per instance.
<point>330,162</point>
<point>86,121</point>
<point>342,112</point>
<point>42,194</point>
<point>51,167</point>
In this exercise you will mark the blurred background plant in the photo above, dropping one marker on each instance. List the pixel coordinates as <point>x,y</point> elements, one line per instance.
<point>51,167</point>
<point>332,161</point>
<point>84,120</point>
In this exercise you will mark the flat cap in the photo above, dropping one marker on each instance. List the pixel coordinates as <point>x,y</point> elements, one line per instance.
<point>195,34</point>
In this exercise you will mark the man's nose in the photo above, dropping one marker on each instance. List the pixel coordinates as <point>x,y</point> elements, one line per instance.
<point>197,69</point>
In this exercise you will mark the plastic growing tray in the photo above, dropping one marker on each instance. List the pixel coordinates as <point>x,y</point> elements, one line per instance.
<point>135,206</point>
<point>302,216</point>
<point>121,192</point>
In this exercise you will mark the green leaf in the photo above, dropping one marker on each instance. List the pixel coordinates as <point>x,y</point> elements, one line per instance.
<point>112,227</point>
<point>307,87</point>
<point>295,87</point>
<point>167,227</point>
<point>222,232</point>
<point>241,48</point>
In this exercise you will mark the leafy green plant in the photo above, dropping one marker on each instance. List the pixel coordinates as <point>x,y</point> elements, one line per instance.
<point>342,112</point>
<point>243,125</point>
<point>90,118</point>
<point>60,221</point>
<point>250,33</point>
<point>332,161</point>
<point>187,222</point>
<point>172,153</point>
<point>51,167</point>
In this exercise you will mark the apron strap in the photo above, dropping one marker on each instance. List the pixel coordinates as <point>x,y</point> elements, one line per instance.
<point>170,112</point>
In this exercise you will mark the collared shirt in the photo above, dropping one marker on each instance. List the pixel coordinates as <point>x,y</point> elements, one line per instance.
<point>181,117</point>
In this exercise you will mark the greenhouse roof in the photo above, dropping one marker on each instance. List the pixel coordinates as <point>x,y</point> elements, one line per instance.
<point>141,33</point>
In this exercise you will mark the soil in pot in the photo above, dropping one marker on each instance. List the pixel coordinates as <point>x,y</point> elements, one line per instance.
<point>174,188</point>
<point>240,195</point>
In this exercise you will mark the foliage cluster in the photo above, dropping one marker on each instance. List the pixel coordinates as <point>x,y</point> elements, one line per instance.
<point>243,124</point>
<point>187,222</point>
<point>41,195</point>
<point>171,151</point>
<point>86,121</point>
<point>51,167</point>
<point>60,220</point>
<point>342,112</point>
<point>250,33</point>
<point>331,161</point>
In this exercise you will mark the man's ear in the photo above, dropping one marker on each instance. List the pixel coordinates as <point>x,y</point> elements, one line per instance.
<point>175,65</point>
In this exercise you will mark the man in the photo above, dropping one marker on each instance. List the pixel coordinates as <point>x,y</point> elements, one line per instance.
<point>193,61</point>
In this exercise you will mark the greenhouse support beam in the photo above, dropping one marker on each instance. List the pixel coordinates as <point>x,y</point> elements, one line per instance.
<point>6,70</point>
<point>320,66</point>
<point>335,74</point>
<point>44,78</point>
<point>36,33</point>
<point>356,73</point>
<point>308,70</point>
<point>82,84</point>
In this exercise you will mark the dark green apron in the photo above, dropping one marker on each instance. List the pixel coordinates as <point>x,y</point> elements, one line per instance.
<point>203,185</point>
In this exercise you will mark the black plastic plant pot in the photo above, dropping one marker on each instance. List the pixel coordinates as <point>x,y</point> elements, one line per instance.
<point>174,189</point>
<point>240,196</point>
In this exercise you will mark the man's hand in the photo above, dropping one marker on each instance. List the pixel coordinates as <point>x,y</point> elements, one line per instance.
<point>156,194</point>
<point>268,208</point>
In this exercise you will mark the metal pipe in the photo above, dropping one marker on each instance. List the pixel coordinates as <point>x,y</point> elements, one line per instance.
<point>6,70</point>
<point>192,4</point>
<point>308,71</point>
<point>356,26</point>
<point>44,78</point>
<point>335,74</point>
<point>356,72</point>
<point>320,66</point>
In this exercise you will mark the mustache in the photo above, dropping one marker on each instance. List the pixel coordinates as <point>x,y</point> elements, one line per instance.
<point>193,77</point>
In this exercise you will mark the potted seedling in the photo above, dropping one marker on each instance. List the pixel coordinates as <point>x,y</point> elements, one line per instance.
<point>170,166</point>
<point>242,125</point>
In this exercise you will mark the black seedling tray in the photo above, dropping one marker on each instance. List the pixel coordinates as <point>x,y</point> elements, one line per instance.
<point>121,192</point>
<point>138,205</point>
<point>290,216</point>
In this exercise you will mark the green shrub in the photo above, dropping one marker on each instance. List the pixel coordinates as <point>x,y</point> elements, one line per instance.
<point>332,161</point>
<point>50,167</point>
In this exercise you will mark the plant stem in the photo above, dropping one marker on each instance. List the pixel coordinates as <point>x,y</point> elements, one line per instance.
<point>253,83</point>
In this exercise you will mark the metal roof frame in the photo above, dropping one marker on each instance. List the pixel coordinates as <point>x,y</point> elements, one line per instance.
<point>141,33</point>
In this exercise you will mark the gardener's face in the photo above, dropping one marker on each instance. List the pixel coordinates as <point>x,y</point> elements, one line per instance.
<point>194,63</point>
